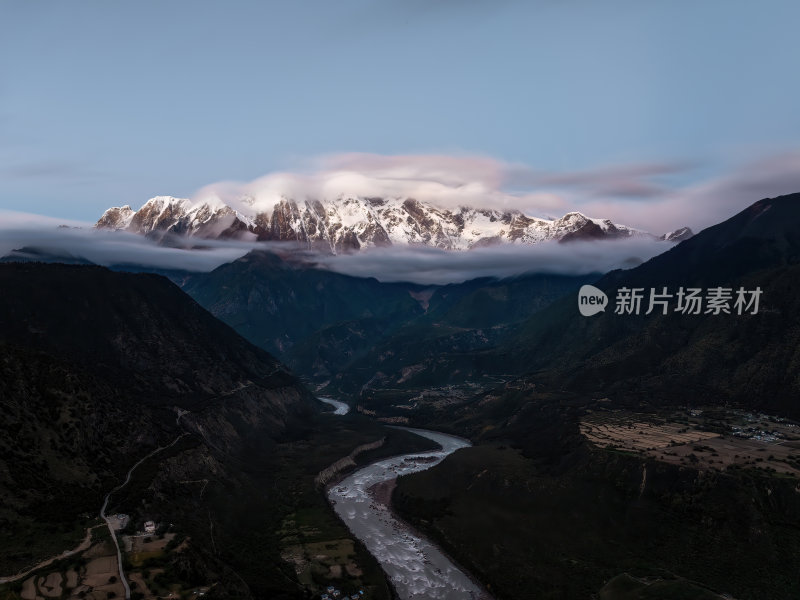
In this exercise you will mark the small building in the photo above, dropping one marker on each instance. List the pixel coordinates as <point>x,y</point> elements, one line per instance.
<point>118,521</point>
<point>149,527</point>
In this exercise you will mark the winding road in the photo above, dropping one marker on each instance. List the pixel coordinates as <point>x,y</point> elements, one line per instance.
<point>416,567</point>
<point>87,540</point>
<point>103,516</point>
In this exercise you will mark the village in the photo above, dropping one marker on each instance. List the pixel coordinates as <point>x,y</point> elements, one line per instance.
<point>703,438</point>
<point>332,593</point>
<point>91,571</point>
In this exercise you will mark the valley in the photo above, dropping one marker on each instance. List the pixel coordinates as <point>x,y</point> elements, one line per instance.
<point>399,300</point>
<point>609,457</point>
<point>122,355</point>
<point>415,567</point>
<point>164,561</point>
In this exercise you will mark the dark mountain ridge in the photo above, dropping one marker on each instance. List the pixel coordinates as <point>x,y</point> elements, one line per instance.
<point>329,326</point>
<point>139,330</point>
<point>94,366</point>
<point>538,509</point>
<point>747,359</point>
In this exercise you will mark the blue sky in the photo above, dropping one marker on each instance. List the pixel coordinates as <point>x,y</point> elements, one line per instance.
<point>110,103</point>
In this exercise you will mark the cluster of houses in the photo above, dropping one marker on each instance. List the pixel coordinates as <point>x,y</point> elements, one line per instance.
<point>118,521</point>
<point>334,594</point>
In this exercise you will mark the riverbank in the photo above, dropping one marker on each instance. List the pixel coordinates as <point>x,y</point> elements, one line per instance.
<point>415,566</point>
<point>381,494</point>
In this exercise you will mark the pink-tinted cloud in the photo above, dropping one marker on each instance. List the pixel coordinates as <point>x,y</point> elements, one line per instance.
<point>634,180</point>
<point>445,181</point>
<point>642,195</point>
<point>449,181</point>
<point>708,202</point>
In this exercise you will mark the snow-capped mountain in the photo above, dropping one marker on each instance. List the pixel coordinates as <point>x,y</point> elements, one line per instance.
<point>165,214</point>
<point>351,223</point>
<point>683,233</point>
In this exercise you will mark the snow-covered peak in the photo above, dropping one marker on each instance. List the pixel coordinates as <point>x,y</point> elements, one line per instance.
<point>116,217</point>
<point>166,200</point>
<point>684,233</point>
<point>348,222</point>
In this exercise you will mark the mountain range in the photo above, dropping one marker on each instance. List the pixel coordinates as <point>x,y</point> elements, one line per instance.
<point>535,506</point>
<point>109,368</point>
<point>747,360</point>
<point>322,323</point>
<point>351,223</point>
<point>95,373</point>
<point>379,341</point>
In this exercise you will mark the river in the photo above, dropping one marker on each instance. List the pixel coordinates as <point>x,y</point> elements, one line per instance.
<point>341,408</point>
<point>415,566</point>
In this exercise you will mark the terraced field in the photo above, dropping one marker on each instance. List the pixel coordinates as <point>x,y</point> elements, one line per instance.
<point>715,439</point>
